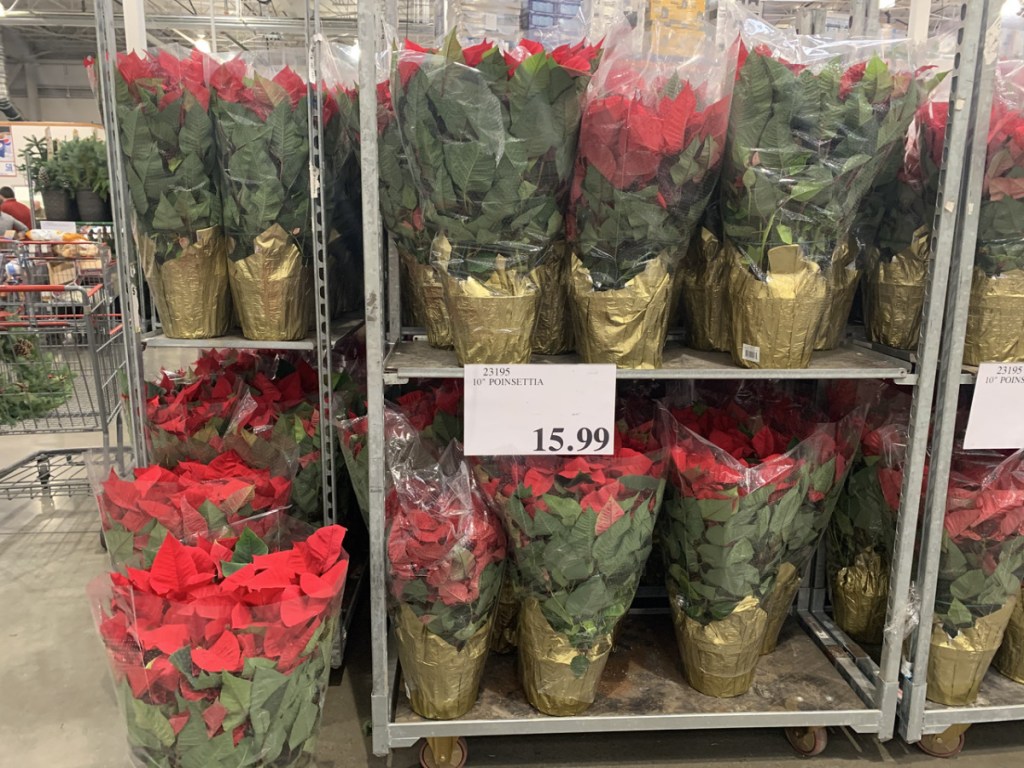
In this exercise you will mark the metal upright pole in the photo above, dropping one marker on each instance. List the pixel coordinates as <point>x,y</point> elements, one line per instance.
<point>325,374</point>
<point>965,169</point>
<point>127,261</point>
<point>380,697</point>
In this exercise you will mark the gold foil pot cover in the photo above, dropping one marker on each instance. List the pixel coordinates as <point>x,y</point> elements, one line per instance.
<point>554,332</point>
<point>191,289</point>
<point>492,321</point>
<point>894,293</point>
<point>506,619</point>
<point>442,681</point>
<point>860,594</point>
<point>776,322</point>
<point>778,603</point>
<point>995,323</point>
<point>273,289</point>
<point>626,326</point>
<point>843,278</point>
<point>703,279</point>
<point>1009,658</point>
<point>720,657</point>
<point>426,296</point>
<point>545,671</point>
<point>957,665</point>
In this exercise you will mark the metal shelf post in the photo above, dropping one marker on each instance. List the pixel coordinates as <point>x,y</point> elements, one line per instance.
<point>965,171</point>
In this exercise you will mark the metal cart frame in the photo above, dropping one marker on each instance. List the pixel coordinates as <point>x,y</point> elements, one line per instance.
<point>940,729</point>
<point>867,693</point>
<point>67,315</point>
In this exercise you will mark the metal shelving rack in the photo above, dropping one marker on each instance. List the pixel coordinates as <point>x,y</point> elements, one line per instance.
<point>941,728</point>
<point>844,686</point>
<point>325,333</point>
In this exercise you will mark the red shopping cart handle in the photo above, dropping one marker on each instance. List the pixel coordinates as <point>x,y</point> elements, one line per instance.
<point>38,288</point>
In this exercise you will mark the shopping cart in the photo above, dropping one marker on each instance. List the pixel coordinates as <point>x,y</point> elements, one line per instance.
<point>62,360</point>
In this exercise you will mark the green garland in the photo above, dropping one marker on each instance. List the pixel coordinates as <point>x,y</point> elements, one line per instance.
<point>32,383</point>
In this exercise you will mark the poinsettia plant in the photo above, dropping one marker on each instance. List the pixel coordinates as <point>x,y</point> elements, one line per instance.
<point>1000,247</point>
<point>263,144</point>
<point>491,139</point>
<point>806,143</point>
<point>399,196</point>
<point>580,530</point>
<point>650,152</point>
<point>166,133</point>
<point>220,650</point>
<point>752,488</point>
<point>137,512</point>
<point>446,547</point>
<point>982,558</point>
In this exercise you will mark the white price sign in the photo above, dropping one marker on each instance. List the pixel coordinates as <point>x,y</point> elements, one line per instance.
<point>537,410</point>
<point>997,411</point>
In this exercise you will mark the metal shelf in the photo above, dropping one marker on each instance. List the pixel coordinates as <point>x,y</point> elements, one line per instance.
<point>1000,699</point>
<point>643,689</point>
<point>339,329</point>
<point>46,474</point>
<point>416,359</point>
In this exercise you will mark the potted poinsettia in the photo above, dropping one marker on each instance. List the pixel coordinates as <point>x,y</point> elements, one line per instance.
<point>650,151</point>
<point>262,144</point>
<point>138,511</point>
<point>979,573</point>
<point>167,140</point>
<point>806,142</point>
<point>220,650</point>
<point>580,530</point>
<point>994,330</point>
<point>895,230</point>
<point>491,139</point>
<point>751,492</point>
<point>862,531</point>
<point>446,562</point>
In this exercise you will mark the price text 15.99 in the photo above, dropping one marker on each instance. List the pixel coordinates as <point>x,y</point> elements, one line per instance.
<point>555,440</point>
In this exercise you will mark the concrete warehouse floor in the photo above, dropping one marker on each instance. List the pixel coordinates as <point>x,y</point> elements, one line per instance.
<point>57,708</point>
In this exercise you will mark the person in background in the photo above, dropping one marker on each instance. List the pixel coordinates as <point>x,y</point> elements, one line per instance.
<point>12,207</point>
<point>10,224</point>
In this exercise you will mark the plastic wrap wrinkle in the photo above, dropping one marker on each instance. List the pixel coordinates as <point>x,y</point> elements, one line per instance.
<point>272,288</point>
<point>191,289</point>
<point>860,594</point>
<point>782,315</point>
<point>720,657</point>
<point>553,334</point>
<point>442,681</point>
<point>894,293</point>
<point>545,665</point>
<point>704,295</point>
<point>625,326</point>
<point>995,322</point>
<point>957,665</point>
<point>778,603</point>
<point>1009,659</point>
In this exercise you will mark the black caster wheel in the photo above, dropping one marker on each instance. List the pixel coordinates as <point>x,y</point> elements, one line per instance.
<point>455,750</point>
<point>809,741</point>
<point>942,745</point>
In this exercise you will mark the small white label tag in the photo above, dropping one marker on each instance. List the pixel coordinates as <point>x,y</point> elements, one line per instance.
<point>539,410</point>
<point>997,411</point>
<point>751,353</point>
